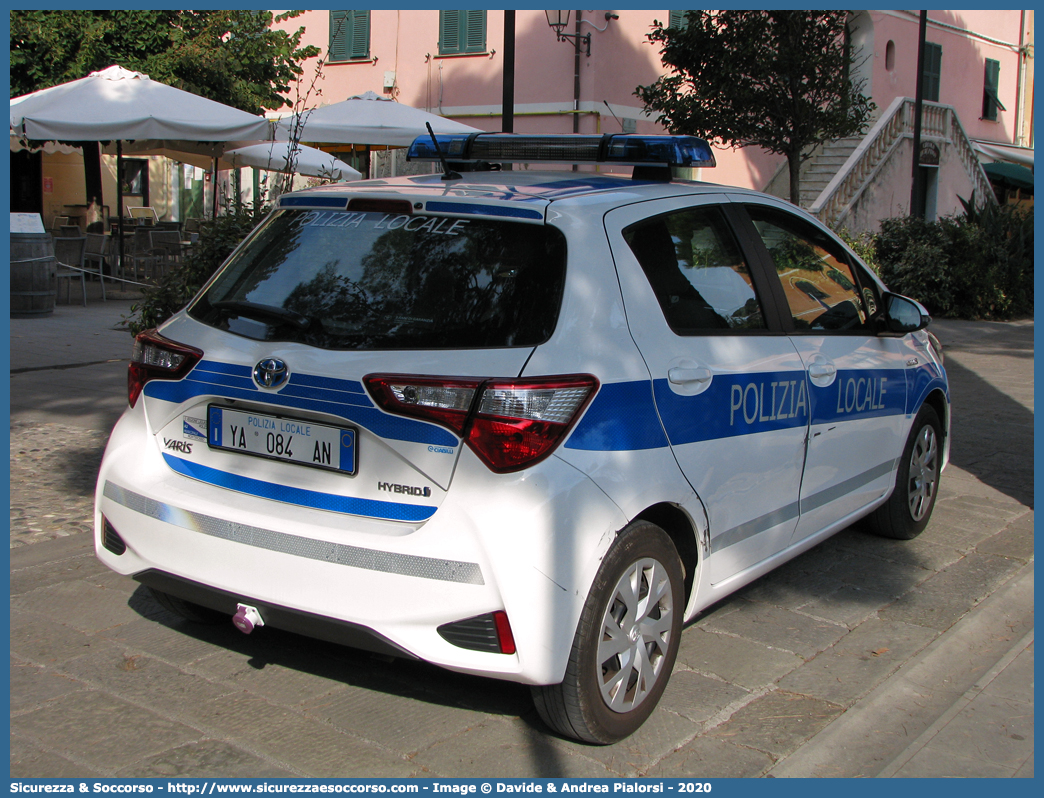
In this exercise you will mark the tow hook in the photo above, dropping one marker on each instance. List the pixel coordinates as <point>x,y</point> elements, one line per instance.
<point>247,618</point>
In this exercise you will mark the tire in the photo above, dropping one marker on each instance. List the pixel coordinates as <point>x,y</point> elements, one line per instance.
<point>603,697</point>
<point>196,613</point>
<point>907,511</point>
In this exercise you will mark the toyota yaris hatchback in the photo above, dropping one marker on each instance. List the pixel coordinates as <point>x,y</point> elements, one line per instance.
<point>520,424</point>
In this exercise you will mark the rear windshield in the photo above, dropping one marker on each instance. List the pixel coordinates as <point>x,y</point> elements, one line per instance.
<point>344,280</point>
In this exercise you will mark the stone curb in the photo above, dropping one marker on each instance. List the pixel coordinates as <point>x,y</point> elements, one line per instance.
<point>873,737</point>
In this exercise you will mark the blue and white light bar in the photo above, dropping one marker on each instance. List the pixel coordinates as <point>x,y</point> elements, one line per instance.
<point>621,149</point>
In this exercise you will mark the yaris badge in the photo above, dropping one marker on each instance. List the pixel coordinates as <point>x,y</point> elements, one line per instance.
<point>271,372</point>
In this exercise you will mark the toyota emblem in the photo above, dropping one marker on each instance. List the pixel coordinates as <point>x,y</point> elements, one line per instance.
<point>271,372</point>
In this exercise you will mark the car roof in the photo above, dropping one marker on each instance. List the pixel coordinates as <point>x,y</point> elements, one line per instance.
<point>521,186</point>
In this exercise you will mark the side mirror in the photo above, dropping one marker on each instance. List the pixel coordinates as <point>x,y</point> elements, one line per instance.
<point>903,315</point>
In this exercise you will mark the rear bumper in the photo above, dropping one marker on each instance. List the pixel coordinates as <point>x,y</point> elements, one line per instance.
<point>527,543</point>
<point>285,618</point>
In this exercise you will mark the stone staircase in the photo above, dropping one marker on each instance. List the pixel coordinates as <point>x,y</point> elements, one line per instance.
<point>842,173</point>
<point>820,169</point>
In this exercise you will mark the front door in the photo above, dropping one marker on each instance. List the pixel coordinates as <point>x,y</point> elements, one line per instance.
<point>856,380</point>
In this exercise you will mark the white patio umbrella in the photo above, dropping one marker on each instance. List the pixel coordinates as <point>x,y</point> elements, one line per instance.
<point>116,104</point>
<point>368,119</point>
<point>272,155</point>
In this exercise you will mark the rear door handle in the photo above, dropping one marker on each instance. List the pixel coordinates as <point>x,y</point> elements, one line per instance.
<point>684,376</point>
<point>821,371</point>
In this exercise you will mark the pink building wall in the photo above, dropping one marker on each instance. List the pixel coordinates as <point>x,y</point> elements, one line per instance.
<point>469,88</point>
<point>963,63</point>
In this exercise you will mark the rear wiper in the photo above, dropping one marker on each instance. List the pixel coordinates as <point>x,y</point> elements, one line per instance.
<point>256,310</point>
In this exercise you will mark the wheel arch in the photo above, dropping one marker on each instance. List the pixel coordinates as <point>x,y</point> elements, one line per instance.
<point>937,400</point>
<point>680,528</point>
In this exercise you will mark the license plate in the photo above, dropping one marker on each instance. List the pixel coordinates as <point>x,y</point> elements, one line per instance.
<point>290,440</point>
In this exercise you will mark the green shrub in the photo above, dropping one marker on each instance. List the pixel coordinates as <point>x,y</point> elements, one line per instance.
<point>862,244</point>
<point>977,265</point>
<point>217,239</point>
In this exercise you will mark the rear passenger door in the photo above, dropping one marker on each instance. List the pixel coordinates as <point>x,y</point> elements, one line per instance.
<point>728,384</point>
<point>856,380</point>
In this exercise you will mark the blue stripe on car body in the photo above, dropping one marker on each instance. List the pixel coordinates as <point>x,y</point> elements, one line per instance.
<point>623,417</point>
<point>372,508</point>
<point>735,405</point>
<point>922,381</point>
<point>342,398</point>
<point>861,393</point>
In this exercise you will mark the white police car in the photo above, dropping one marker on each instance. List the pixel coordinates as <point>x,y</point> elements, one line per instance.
<point>520,424</point>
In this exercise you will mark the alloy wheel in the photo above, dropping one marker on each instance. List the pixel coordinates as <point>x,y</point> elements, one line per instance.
<point>636,632</point>
<point>924,473</point>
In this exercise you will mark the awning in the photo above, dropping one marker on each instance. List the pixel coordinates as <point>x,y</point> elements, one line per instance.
<point>1005,152</point>
<point>1010,175</point>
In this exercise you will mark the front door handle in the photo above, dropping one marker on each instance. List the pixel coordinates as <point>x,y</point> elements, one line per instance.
<point>821,371</point>
<point>684,376</point>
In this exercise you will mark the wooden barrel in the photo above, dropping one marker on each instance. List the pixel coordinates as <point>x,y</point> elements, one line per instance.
<point>33,270</point>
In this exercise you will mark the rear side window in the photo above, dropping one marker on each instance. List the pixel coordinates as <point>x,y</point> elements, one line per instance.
<point>697,272</point>
<point>821,290</point>
<point>343,280</point>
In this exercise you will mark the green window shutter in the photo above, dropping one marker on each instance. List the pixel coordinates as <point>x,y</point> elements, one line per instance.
<point>360,29</point>
<point>932,71</point>
<point>349,35</point>
<point>462,32</point>
<point>991,85</point>
<point>449,32</point>
<point>677,19</point>
<point>475,34</point>
<point>338,36</point>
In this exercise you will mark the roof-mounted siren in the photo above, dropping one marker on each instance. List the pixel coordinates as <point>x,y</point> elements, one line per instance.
<point>653,157</point>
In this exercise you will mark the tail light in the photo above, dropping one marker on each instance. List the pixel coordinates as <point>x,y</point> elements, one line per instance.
<point>509,424</point>
<point>157,358</point>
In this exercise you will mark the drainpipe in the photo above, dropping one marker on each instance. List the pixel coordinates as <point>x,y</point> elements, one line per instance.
<point>576,81</point>
<point>1020,93</point>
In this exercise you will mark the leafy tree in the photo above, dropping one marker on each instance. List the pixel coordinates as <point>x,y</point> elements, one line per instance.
<point>172,291</point>
<point>773,79</point>
<point>233,57</point>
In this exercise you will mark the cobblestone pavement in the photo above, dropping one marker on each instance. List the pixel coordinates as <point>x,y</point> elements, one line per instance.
<point>53,470</point>
<point>861,657</point>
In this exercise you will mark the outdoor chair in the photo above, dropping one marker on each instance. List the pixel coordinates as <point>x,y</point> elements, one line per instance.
<point>139,253</point>
<point>192,226</point>
<point>69,231</point>
<point>145,214</point>
<point>69,253</point>
<point>57,222</point>
<point>167,244</point>
<point>95,257</point>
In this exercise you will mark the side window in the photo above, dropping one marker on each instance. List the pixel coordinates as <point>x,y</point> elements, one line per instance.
<point>821,290</point>
<point>696,270</point>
